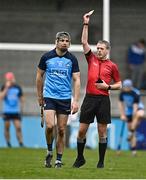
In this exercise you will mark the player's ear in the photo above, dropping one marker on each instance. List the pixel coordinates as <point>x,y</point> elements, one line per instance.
<point>56,41</point>
<point>69,43</point>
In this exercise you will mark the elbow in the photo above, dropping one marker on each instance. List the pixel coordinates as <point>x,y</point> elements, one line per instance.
<point>84,42</point>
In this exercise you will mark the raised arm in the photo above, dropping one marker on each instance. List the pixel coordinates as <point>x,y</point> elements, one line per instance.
<point>84,38</point>
<point>4,91</point>
<point>39,85</point>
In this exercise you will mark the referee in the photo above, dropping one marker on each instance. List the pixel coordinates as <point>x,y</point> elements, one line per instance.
<point>101,71</point>
<point>60,68</point>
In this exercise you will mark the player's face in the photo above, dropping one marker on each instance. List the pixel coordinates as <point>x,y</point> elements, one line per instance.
<point>102,51</point>
<point>127,89</point>
<point>63,44</point>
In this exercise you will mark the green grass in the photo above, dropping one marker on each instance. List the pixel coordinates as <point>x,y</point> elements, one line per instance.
<point>29,163</point>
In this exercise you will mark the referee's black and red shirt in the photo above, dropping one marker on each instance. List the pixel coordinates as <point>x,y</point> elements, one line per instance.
<point>106,70</point>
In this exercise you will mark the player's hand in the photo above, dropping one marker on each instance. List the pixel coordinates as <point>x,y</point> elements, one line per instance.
<point>86,17</point>
<point>74,107</point>
<point>102,85</point>
<point>8,84</point>
<point>123,117</point>
<point>41,101</point>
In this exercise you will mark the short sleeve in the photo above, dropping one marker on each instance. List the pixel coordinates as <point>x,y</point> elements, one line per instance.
<point>75,67</point>
<point>20,91</point>
<point>89,56</point>
<point>116,74</point>
<point>42,63</point>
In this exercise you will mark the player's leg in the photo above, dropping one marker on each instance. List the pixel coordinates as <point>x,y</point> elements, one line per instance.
<point>7,132</point>
<point>102,133</point>
<point>61,128</point>
<point>131,136</point>
<point>17,124</point>
<point>50,123</point>
<point>136,120</point>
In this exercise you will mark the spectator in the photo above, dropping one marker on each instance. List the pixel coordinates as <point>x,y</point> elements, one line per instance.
<point>12,96</point>
<point>136,58</point>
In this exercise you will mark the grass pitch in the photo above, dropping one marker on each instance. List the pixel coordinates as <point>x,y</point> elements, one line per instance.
<point>29,163</point>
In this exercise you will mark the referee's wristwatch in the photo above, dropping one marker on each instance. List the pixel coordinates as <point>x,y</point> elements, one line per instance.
<point>109,87</point>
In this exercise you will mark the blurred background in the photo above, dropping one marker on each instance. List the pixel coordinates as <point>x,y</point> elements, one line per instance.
<point>38,21</point>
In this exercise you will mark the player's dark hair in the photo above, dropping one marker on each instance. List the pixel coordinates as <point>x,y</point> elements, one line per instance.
<point>63,34</point>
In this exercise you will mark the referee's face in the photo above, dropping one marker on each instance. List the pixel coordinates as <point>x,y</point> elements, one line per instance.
<point>63,44</point>
<point>102,51</point>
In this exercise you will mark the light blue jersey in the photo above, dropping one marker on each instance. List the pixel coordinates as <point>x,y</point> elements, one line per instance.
<point>140,104</point>
<point>11,102</point>
<point>129,98</point>
<point>58,74</point>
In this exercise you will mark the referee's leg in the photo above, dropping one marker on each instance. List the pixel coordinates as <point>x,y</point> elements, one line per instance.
<point>102,133</point>
<point>81,141</point>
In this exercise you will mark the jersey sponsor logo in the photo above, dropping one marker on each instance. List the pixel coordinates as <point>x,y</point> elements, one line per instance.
<point>59,72</point>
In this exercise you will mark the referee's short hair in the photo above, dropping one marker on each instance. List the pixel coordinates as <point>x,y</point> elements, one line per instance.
<point>63,34</point>
<point>107,44</point>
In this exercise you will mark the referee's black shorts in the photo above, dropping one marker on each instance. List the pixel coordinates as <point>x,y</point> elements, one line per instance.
<point>95,106</point>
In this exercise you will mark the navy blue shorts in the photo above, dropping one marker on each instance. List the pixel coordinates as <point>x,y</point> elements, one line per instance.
<point>129,118</point>
<point>9,116</point>
<point>59,105</point>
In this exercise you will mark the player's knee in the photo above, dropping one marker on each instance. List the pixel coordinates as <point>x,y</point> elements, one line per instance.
<point>7,129</point>
<point>49,126</point>
<point>61,132</point>
<point>49,129</point>
<point>18,129</point>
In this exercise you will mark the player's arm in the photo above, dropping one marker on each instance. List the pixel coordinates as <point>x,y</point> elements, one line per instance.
<point>135,108</point>
<point>84,38</point>
<point>122,110</point>
<point>39,85</point>
<point>76,92</point>
<point>4,90</point>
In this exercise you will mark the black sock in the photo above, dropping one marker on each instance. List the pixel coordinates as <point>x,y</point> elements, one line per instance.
<point>49,146</point>
<point>102,149</point>
<point>133,148</point>
<point>21,144</point>
<point>9,144</point>
<point>59,157</point>
<point>80,147</point>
